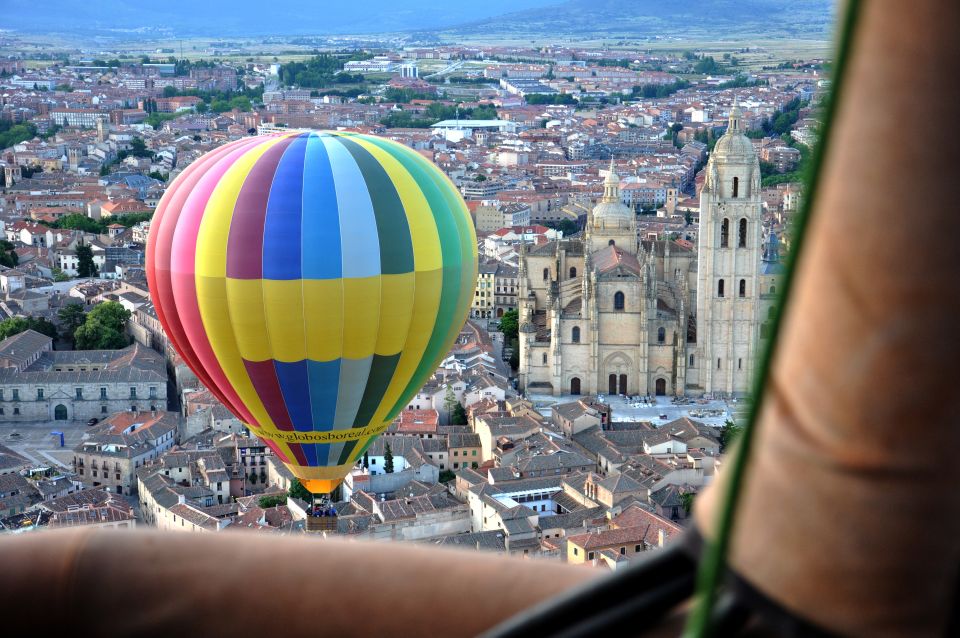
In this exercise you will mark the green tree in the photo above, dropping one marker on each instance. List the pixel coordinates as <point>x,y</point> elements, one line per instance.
<point>515,353</point>
<point>272,500</point>
<point>76,221</point>
<point>449,400</point>
<point>446,476</point>
<point>686,500</point>
<point>85,265</point>
<point>366,460</point>
<point>71,317</point>
<point>169,91</point>
<point>510,325</point>
<point>728,434</point>
<point>8,254</point>
<point>299,492</point>
<point>388,460</point>
<point>16,325</point>
<point>104,328</point>
<point>138,148</point>
<point>253,478</point>
<point>459,415</point>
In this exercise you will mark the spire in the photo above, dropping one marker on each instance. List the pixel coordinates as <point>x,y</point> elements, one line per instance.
<point>611,185</point>
<point>736,117</point>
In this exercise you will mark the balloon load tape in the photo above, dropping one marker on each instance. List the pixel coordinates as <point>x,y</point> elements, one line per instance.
<point>329,436</point>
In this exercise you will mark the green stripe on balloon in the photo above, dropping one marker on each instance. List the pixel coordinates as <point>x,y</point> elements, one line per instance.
<point>445,219</point>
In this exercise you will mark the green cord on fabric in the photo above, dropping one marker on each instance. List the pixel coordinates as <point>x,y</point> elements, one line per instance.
<point>713,561</point>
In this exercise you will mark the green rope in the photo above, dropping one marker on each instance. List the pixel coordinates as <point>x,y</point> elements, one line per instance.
<point>712,566</point>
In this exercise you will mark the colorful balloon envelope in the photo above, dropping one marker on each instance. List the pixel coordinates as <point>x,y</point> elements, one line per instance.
<point>313,281</point>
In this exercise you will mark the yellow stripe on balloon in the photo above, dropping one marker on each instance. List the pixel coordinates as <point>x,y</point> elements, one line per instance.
<point>323,317</point>
<point>211,279</point>
<point>427,289</point>
<point>285,304</point>
<point>361,304</point>
<point>396,312</point>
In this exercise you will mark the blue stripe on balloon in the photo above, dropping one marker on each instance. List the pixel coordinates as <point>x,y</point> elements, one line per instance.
<point>324,383</point>
<point>295,387</point>
<point>353,381</point>
<point>320,234</point>
<point>359,239</point>
<point>322,450</point>
<point>281,230</point>
<point>310,452</point>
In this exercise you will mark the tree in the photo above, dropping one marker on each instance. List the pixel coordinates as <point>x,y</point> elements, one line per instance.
<point>138,148</point>
<point>686,500</point>
<point>272,501</point>
<point>515,353</point>
<point>71,317</point>
<point>253,478</point>
<point>728,434</point>
<point>450,401</point>
<point>446,476</point>
<point>388,460</point>
<point>85,266</point>
<point>459,415</point>
<point>510,325</point>
<point>8,254</point>
<point>16,325</point>
<point>104,328</point>
<point>366,460</point>
<point>299,492</point>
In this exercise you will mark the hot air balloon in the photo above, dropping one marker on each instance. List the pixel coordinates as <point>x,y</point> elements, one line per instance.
<point>312,281</point>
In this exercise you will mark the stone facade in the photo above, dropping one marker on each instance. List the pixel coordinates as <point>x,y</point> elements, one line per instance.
<point>608,314</point>
<point>38,383</point>
<point>728,278</point>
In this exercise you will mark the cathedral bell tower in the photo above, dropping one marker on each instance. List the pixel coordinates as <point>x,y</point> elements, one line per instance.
<point>728,284</point>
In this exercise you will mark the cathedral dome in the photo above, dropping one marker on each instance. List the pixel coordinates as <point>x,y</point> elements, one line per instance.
<point>611,207</point>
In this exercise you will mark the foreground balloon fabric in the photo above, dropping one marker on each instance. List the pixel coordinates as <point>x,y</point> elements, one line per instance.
<point>313,282</point>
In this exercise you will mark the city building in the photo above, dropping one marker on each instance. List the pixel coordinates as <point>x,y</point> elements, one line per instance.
<point>116,447</point>
<point>38,383</point>
<point>609,314</point>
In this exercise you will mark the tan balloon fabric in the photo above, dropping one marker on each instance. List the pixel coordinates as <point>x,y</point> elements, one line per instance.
<point>238,584</point>
<point>850,516</point>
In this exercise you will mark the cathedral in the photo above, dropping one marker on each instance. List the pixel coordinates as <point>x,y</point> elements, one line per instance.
<point>606,313</point>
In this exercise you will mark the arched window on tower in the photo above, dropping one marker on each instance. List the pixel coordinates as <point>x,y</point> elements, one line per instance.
<point>544,358</point>
<point>736,186</point>
<point>575,335</point>
<point>618,301</point>
<point>573,272</point>
<point>743,287</point>
<point>720,288</point>
<point>661,335</point>
<point>611,243</point>
<point>773,290</point>
<point>546,274</point>
<point>724,233</point>
<point>691,361</point>
<point>742,233</point>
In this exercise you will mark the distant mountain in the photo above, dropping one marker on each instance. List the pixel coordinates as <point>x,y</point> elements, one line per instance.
<point>246,18</point>
<point>715,18</point>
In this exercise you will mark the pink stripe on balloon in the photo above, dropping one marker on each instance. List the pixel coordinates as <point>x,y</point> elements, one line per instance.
<point>183,269</point>
<point>159,278</point>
